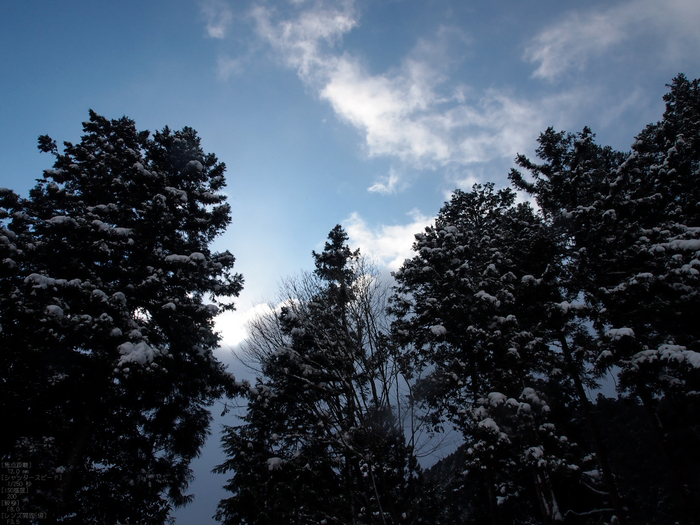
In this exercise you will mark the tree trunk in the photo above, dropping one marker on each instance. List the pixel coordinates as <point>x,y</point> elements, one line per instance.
<point>689,505</point>
<point>73,459</point>
<point>545,509</point>
<point>493,504</point>
<point>600,449</point>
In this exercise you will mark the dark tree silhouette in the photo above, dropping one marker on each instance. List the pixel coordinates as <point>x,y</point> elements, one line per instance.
<point>322,440</point>
<point>631,227</point>
<point>107,327</point>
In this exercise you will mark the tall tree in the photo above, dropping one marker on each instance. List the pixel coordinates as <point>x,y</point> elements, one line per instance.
<point>322,439</point>
<point>631,226</point>
<point>473,307</point>
<point>107,321</point>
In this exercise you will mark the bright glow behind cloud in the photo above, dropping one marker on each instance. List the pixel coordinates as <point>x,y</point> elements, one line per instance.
<point>390,245</point>
<point>232,325</point>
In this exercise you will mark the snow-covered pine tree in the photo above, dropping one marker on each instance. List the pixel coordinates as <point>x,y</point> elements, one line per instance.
<point>631,225</point>
<point>472,313</point>
<point>656,295</point>
<point>322,440</point>
<point>107,314</point>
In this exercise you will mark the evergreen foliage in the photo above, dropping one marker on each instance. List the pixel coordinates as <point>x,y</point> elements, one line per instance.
<point>107,298</point>
<point>502,305</point>
<point>472,310</point>
<point>322,441</point>
<point>632,230</point>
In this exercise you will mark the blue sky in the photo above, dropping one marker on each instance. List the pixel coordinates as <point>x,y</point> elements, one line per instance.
<point>364,113</point>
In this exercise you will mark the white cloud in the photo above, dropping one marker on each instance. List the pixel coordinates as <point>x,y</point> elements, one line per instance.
<point>418,115</point>
<point>218,16</point>
<point>387,185</point>
<point>581,37</point>
<point>303,42</point>
<point>397,113</point>
<point>409,112</point>
<point>232,325</point>
<point>464,180</point>
<point>389,244</point>
<point>572,42</point>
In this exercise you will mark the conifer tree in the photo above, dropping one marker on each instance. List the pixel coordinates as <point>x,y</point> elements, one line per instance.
<point>322,440</point>
<point>107,311</point>
<point>631,227</point>
<point>473,311</point>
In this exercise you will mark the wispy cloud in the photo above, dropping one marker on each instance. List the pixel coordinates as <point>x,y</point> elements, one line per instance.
<point>412,112</point>
<point>389,244</point>
<point>417,114</point>
<point>583,36</point>
<point>218,16</point>
<point>387,184</point>
<point>303,41</point>
<point>227,66</point>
